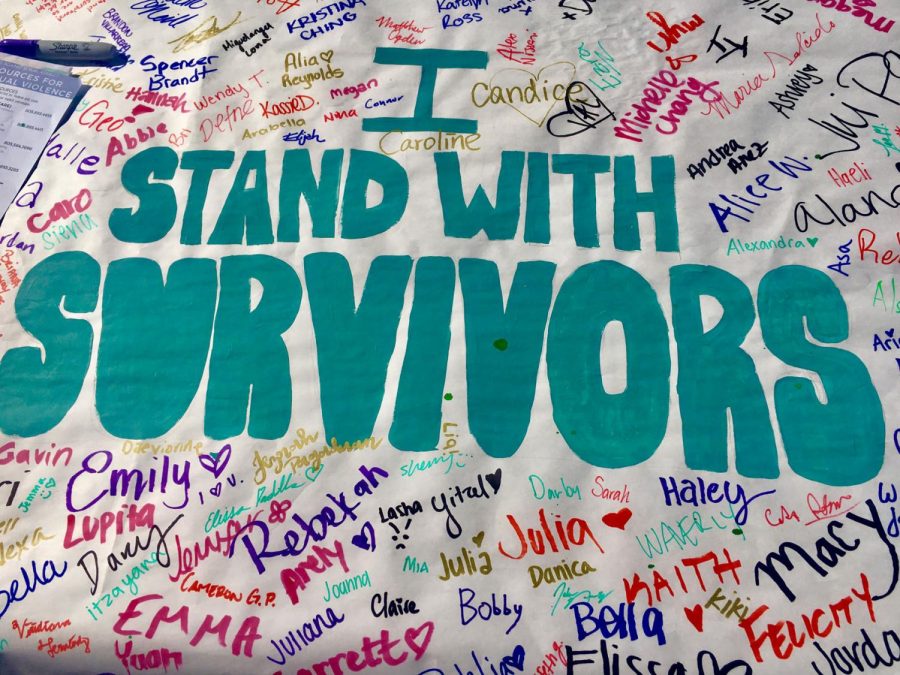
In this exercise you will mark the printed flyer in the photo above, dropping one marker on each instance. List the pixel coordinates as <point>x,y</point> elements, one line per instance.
<point>465,337</point>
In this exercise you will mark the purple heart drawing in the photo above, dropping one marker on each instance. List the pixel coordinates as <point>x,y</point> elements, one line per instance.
<point>216,490</point>
<point>889,332</point>
<point>365,539</point>
<point>215,462</point>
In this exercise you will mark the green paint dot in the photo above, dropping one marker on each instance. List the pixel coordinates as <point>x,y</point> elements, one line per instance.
<point>738,531</point>
<point>501,344</point>
<point>650,567</point>
<point>818,156</point>
<point>448,396</point>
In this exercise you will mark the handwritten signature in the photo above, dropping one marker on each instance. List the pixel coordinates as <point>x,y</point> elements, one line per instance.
<point>601,65</point>
<point>804,42</point>
<point>581,113</point>
<point>562,592</point>
<point>827,508</point>
<point>206,30</point>
<point>285,5</point>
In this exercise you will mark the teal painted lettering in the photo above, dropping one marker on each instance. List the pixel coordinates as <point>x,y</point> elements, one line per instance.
<point>584,169</point>
<point>716,376</point>
<point>358,220</point>
<point>249,362</point>
<point>609,430</point>
<point>840,442</point>
<point>298,180</point>
<point>503,349</point>
<point>660,201</point>
<point>430,61</point>
<point>202,163</point>
<point>537,206</point>
<point>154,343</point>
<point>466,220</point>
<point>157,205</point>
<point>246,208</point>
<point>417,412</point>
<point>37,389</point>
<point>354,344</point>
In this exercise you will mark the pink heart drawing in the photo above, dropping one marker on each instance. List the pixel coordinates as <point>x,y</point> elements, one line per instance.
<point>415,639</point>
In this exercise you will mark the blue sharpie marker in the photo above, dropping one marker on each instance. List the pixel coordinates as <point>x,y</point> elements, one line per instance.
<point>81,54</point>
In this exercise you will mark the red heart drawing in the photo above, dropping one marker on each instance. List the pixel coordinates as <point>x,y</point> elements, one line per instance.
<point>412,634</point>
<point>617,519</point>
<point>695,616</point>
